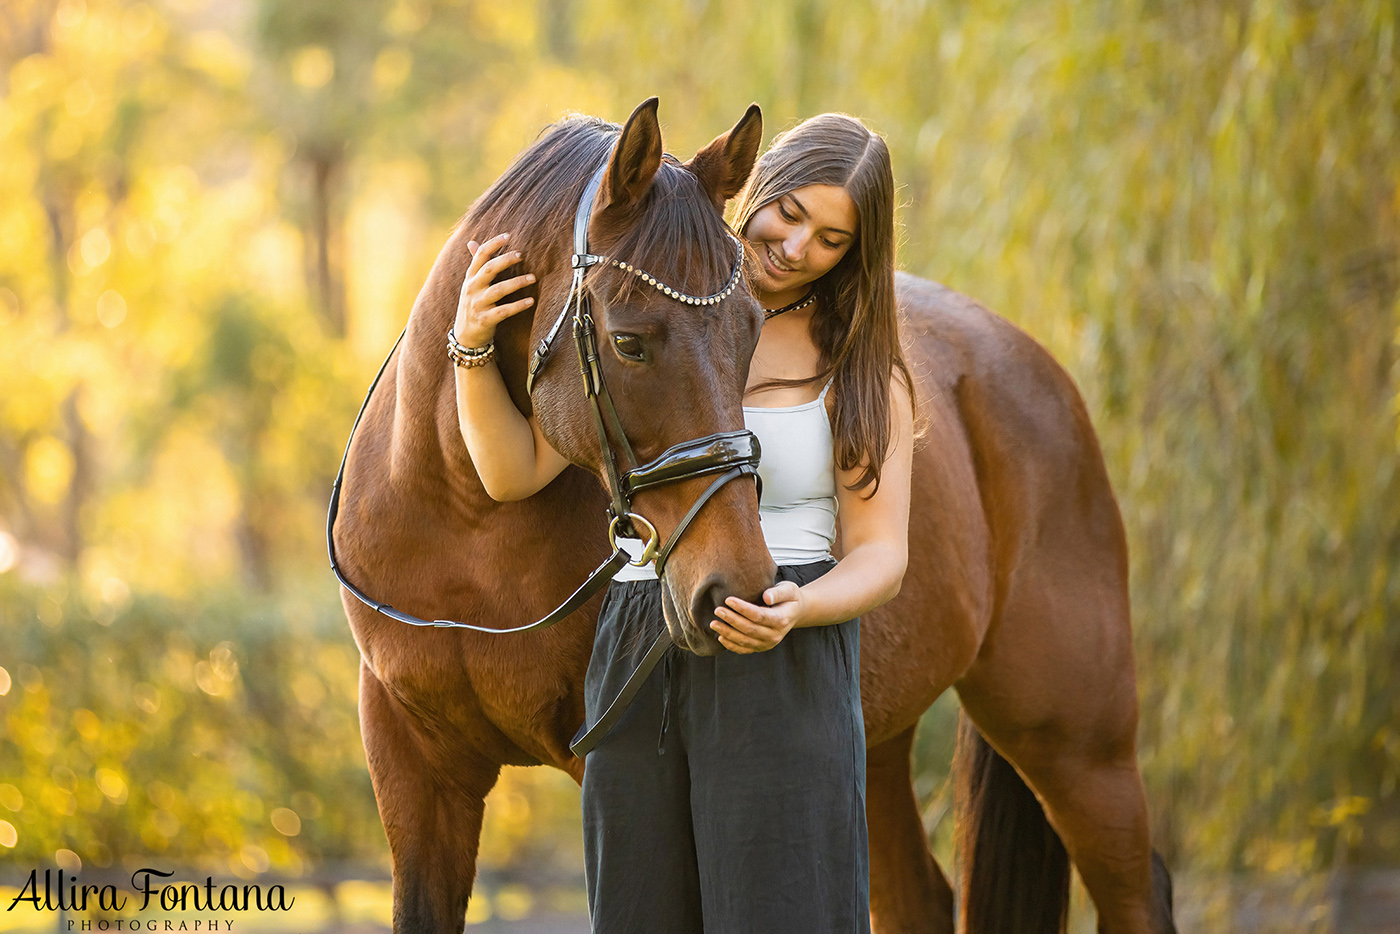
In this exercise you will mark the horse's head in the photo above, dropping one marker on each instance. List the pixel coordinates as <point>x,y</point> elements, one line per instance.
<point>674,369</point>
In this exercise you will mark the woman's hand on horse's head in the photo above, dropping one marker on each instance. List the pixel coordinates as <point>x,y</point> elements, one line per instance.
<point>745,627</point>
<point>478,311</point>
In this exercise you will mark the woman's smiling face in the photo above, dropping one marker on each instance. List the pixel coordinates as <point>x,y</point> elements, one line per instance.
<point>799,237</point>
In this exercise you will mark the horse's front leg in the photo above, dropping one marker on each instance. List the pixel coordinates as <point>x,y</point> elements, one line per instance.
<point>431,815</point>
<point>908,892</point>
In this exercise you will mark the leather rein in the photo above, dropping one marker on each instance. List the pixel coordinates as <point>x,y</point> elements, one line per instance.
<point>727,454</point>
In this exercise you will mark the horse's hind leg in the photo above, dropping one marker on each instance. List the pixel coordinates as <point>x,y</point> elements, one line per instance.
<point>1058,698</point>
<point>908,892</point>
<point>432,816</point>
<point>1096,805</point>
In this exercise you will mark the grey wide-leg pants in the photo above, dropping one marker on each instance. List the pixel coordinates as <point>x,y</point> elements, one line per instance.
<point>730,797</point>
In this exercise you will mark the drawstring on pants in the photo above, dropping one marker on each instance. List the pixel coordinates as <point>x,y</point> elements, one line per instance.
<point>666,658</point>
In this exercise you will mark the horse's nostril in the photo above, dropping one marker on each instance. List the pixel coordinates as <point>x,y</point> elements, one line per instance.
<point>708,595</point>
<point>716,595</point>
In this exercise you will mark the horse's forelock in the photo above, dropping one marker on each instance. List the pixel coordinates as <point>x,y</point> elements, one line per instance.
<point>676,235</point>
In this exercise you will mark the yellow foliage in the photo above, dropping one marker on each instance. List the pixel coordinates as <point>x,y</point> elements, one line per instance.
<point>48,470</point>
<point>313,67</point>
<point>392,67</point>
<point>218,55</point>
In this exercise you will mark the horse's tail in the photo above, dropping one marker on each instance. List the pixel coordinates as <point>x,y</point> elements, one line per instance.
<point>1014,869</point>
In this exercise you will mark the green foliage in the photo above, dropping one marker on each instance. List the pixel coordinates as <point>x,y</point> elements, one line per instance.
<point>180,730</point>
<point>213,224</point>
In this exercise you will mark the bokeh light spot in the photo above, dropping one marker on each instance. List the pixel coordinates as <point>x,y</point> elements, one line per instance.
<point>111,308</point>
<point>9,557</point>
<point>286,822</point>
<point>313,67</point>
<point>95,247</point>
<point>111,784</point>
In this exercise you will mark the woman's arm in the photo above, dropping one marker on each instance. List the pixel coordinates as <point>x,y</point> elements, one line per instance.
<point>875,533</point>
<point>511,456</point>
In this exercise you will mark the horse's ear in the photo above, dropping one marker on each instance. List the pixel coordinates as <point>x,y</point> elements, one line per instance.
<point>635,159</point>
<point>724,165</point>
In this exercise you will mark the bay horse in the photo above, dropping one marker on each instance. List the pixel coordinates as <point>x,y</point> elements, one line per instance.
<point>1016,590</point>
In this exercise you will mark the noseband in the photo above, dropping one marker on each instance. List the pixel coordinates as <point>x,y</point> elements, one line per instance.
<point>728,454</point>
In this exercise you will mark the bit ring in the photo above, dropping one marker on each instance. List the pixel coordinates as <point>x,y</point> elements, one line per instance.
<point>648,550</point>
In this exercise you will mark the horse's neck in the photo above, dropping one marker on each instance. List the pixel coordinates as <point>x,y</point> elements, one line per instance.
<point>423,452</point>
<point>427,439</point>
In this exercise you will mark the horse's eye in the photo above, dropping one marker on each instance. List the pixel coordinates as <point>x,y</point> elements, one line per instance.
<point>629,345</point>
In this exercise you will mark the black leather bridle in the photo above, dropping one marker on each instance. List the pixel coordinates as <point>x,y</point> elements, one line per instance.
<point>725,455</point>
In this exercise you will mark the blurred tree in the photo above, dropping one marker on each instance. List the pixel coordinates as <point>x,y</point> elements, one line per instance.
<point>335,77</point>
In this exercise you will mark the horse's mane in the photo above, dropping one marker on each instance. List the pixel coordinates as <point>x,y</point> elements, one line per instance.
<point>675,233</point>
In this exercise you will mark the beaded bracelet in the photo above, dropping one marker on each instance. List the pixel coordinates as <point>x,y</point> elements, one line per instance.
<point>468,356</point>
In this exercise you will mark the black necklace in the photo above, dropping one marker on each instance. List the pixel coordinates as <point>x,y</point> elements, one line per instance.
<point>800,303</point>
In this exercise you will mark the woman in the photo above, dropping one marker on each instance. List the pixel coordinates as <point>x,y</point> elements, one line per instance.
<point>731,795</point>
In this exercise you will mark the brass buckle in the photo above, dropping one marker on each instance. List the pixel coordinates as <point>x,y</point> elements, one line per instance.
<point>648,550</point>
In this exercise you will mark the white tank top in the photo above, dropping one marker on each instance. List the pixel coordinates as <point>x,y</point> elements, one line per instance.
<point>798,469</point>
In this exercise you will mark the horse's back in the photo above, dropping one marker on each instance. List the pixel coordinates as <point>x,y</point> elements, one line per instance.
<point>1010,390</point>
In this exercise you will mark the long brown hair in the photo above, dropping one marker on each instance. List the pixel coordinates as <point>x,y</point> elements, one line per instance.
<point>855,326</point>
